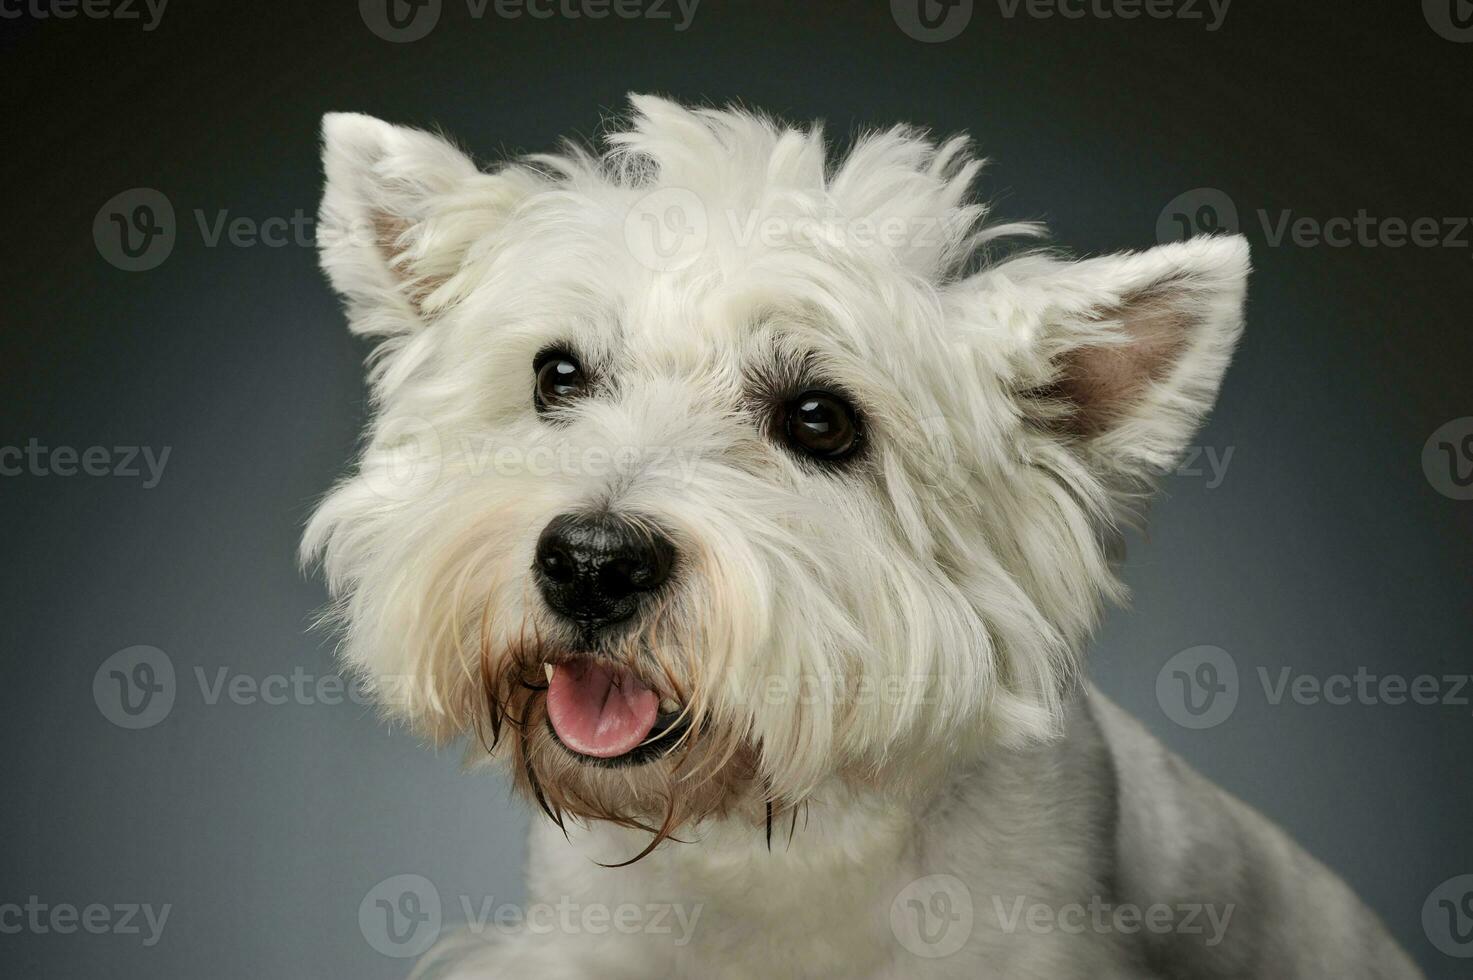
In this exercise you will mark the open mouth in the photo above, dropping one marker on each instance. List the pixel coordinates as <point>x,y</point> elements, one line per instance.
<point>609,716</point>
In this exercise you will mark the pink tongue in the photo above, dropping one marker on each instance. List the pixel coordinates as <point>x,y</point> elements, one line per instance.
<point>600,712</point>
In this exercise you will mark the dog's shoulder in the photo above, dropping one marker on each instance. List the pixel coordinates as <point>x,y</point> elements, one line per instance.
<point>1258,903</point>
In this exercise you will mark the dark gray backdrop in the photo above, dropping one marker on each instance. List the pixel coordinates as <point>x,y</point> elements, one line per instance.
<point>1330,542</point>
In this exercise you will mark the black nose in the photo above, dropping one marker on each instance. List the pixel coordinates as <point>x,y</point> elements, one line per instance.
<point>595,568</point>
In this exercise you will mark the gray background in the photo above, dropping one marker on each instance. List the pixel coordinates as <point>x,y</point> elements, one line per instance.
<point>1324,548</point>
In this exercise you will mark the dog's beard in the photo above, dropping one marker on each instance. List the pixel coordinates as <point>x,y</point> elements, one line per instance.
<point>692,768</point>
<point>480,640</point>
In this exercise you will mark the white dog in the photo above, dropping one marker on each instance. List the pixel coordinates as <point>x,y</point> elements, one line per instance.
<point>757,519</point>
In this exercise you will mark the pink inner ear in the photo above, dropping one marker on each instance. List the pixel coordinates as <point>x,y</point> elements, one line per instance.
<point>1103,382</point>
<point>388,229</point>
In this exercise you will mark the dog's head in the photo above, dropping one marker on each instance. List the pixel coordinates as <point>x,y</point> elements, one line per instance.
<point>703,471</point>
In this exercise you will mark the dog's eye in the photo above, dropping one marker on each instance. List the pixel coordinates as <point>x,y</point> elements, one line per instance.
<point>822,425</point>
<point>560,379</point>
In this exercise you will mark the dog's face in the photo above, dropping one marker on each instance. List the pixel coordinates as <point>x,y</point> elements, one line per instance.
<point>703,473</point>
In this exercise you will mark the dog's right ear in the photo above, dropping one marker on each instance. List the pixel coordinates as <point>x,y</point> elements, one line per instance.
<point>1121,355</point>
<point>399,210</point>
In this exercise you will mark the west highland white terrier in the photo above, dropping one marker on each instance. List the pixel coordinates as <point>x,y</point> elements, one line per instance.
<point>755,514</point>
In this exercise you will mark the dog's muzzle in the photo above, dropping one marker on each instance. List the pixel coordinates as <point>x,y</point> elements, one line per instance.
<point>596,569</point>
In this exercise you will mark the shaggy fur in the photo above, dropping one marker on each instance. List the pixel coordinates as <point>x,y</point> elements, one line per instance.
<point>882,657</point>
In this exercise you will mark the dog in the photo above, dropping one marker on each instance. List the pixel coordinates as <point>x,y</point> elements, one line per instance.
<point>753,508</point>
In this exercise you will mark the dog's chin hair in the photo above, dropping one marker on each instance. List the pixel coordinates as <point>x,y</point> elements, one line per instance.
<point>709,771</point>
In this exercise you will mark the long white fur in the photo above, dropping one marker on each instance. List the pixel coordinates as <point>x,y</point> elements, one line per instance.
<point>966,559</point>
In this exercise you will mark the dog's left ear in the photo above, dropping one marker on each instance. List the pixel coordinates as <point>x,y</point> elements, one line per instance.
<point>1122,355</point>
<point>399,210</point>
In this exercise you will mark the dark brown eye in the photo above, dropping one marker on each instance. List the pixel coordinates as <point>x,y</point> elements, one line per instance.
<point>560,379</point>
<point>822,425</point>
